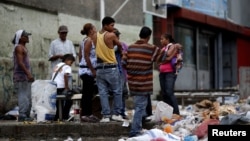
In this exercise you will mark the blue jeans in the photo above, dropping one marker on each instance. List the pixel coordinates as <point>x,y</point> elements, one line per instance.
<point>140,104</point>
<point>167,82</point>
<point>109,80</point>
<point>23,90</point>
<point>124,94</point>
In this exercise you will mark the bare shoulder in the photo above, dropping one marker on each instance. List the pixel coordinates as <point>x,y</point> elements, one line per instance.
<point>94,37</point>
<point>110,35</point>
<point>19,48</point>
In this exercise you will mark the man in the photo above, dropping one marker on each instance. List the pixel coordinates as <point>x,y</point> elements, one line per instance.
<point>22,76</point>
<point>139,64</point>
<point>59,47</point>
<point>108,77</point>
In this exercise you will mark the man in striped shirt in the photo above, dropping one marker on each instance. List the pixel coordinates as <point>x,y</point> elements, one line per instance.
<point>139,64</point>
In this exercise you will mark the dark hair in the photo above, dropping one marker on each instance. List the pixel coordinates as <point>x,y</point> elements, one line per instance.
<point>68,57</point>
<point>169,37</point>
<point>86,28</point>
<point>145,32</point>
<point>107,21</point>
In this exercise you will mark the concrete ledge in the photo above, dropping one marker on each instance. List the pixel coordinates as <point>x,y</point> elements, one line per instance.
<point>206,94</point>
<point>46,131</point>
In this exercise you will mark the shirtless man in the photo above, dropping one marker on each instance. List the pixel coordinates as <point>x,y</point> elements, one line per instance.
<point>22,76</point>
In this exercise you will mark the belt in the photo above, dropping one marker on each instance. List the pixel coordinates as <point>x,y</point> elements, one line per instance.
<point>106,66</point>
<point>83,66</point>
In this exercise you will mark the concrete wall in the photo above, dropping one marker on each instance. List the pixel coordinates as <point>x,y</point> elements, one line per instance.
<point>130,14</point>
<point>43,25</point>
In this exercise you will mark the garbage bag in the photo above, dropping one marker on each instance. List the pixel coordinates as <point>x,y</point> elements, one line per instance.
<point>43,95</point>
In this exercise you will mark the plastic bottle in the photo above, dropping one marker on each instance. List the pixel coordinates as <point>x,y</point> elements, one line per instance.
<point>76,112</point>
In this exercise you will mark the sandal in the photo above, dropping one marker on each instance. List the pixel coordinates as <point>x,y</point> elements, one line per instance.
<point>85,119</point>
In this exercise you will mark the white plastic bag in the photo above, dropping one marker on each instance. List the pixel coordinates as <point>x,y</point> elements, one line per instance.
<point>43,94</point>
<point>163,110</point>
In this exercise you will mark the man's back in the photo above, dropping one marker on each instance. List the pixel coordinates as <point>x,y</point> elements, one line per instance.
<point>140,58</point>
<point>104,53</point>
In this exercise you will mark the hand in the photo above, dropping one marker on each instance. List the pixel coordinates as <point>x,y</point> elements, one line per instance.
<point>178,46</point>
<point>93,73</point>
<point>124,55</point>
<point>30,78</point>
<point>60,56</point>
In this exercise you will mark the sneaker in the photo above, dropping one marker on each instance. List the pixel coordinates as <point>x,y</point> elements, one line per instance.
<point>117,118</point>
<point>147,119</point>
<point>105,120</point>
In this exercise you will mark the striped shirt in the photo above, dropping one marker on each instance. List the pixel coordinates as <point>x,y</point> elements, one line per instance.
<point>139,65</point>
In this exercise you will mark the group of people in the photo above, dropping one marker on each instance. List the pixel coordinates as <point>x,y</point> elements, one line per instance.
<point>109,64</point>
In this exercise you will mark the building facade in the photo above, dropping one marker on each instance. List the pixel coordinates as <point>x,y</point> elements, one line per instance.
<point>215,46</point>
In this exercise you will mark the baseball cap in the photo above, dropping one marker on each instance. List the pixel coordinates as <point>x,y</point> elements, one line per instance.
<point>26,33</point>
<point>63,28</point>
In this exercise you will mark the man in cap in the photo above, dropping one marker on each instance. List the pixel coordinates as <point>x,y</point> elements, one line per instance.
<point>22,76</point>
<point>59,47</point>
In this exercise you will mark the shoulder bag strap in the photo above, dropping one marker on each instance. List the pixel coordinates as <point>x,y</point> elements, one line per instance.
<point>57,72</point>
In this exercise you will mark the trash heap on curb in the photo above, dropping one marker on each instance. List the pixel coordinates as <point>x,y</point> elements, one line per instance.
<point>192,123</point>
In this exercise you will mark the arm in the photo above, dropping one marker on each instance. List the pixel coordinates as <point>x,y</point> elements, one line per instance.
<point>52,56</point>
<point>118,43</point>
<point>111,40</point>
<point>20,56</point>
<point>171,52</point>
<point>66,81</point>
<point>87,49</point>
<point>124,59</point>
<point>80,52</point>
<point>55,57</point>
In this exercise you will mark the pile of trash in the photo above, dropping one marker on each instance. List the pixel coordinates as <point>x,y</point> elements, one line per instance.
<point>192,123</point>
